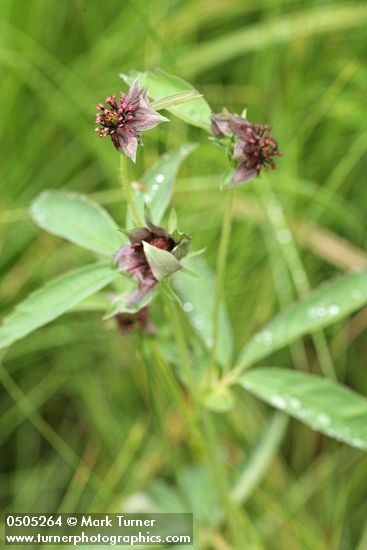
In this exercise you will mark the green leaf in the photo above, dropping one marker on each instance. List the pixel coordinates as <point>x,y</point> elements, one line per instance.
<point>219,399</point>
<point>182,249</point>
<point>175,99</point>
<point>158,184</point>
<point>96,302</point>
<point>161,262</point>
<point>172,221</point>
<point>325,406</point>
<point>159,497</point>
<point>259,457</point>
<point>160,84</point>
<point>77,219</point>
<point>244,113</point>
<point>197,295</point>
<point>54,299</point>
<point>321,308</point>
<point>200,494</point>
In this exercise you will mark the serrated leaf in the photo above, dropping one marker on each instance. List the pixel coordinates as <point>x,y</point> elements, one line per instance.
<point>325,406</point>
<point>159,84</point>
<point>162,263</point>
<point>321,308</point>
<point>156,188</point>
<point>197,295</point>
<point>77,219</point>
<point>54,299</point>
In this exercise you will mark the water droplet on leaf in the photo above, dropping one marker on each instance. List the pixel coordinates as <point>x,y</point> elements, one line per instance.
<point>278,401</point>
<point>334,309</point>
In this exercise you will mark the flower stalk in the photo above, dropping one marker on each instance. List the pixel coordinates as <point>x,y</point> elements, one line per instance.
<point>128,192</point>
<point>220,272</point>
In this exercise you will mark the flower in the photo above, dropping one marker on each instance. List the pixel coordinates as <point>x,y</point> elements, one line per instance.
<point>254,147</point>
<point>130,322</point>
<point>139,258</point>
<point>221,124</point>
<point>124,119</point>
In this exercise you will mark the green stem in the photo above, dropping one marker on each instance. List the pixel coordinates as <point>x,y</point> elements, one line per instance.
<point>240,532</point>
<point>174,319</point>
<point>238,523</point>
<point>126,186</point>
<point>220,271</point>
<point>183,405</point>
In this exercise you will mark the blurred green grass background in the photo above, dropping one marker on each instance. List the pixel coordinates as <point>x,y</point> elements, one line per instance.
<point>75,393</point>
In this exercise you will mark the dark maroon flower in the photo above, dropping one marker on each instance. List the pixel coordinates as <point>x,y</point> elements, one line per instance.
<point>254,148</point>
<point>123,120</point>
<point>132,258</point>
<point>130,322</point>
<point>220,125</point>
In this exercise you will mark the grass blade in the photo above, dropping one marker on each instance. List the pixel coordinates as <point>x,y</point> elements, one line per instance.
<point>260,457</point>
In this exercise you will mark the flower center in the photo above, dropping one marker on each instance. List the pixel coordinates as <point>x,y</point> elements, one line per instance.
<point>260,147</point>
<point>113,116</point>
